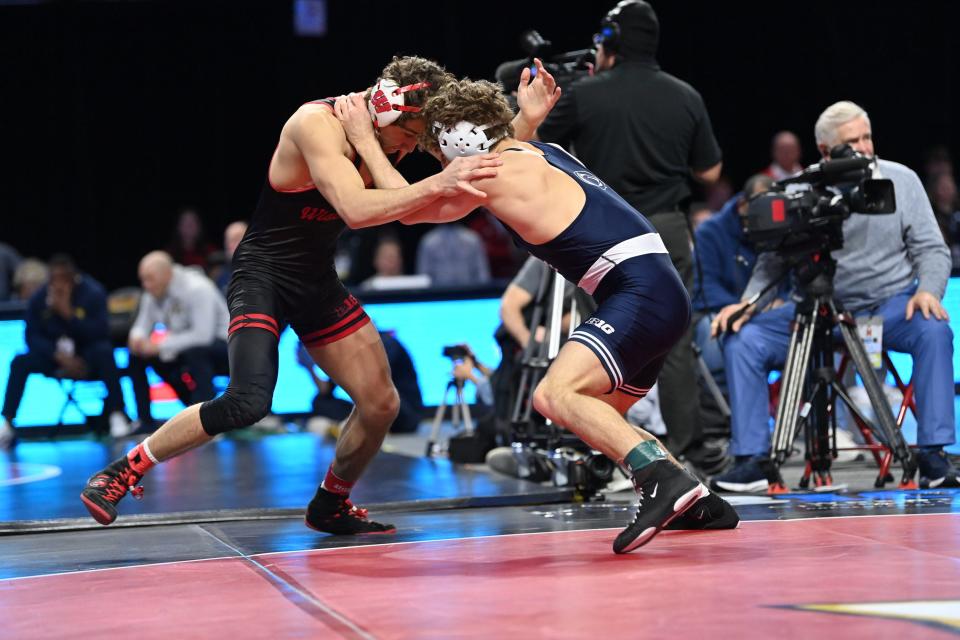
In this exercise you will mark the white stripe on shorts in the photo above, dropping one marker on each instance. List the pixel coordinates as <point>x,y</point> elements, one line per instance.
<point>604,353</point>
<point>635,246</point>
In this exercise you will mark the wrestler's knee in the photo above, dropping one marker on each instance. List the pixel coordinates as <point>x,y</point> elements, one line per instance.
<point>235,409</point>
<point>549,398</point>
<point>379,406</point>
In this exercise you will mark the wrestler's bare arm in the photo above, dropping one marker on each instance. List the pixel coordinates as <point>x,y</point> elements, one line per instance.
<point>320,140</point>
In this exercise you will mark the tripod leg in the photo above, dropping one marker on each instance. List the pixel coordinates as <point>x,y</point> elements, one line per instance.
<point>437,419</point>
<point>465,408</point>
<point>888,426</point>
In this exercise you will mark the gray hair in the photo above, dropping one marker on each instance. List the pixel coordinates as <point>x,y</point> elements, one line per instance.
<point>837,114</point>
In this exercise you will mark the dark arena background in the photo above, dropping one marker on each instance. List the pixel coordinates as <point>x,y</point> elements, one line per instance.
<point>115,116</point>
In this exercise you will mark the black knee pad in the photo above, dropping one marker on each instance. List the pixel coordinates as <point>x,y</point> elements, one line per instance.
<point>235,409</point>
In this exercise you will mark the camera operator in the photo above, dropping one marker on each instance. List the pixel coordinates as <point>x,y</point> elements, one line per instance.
<point>894,266</point>
<point>466,368</point>
<point>644,132</point>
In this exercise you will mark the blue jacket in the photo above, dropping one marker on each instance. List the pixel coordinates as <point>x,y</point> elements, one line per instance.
<point>88,325</point>
<point>725,260</point>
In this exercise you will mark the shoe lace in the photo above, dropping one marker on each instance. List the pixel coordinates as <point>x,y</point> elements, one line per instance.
<point>351,509</point>
<point>115,486</point>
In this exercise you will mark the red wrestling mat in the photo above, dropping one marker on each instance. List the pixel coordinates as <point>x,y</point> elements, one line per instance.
<point>895,576</point>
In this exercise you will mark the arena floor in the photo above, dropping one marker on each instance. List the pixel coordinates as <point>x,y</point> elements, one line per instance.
<point>217,547</point>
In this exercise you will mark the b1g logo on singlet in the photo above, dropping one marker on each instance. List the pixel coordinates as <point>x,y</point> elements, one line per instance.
<point>600,324</point>
<point>590,179</point>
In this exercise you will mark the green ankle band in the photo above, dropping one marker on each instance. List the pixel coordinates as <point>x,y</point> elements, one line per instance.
<point>643,454</point>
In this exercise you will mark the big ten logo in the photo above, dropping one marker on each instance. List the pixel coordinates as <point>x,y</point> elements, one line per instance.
<point>317,214</point>
<point>603,326</point>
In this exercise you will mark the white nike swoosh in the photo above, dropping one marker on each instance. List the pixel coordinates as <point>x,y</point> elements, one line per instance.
<point>653,494</point>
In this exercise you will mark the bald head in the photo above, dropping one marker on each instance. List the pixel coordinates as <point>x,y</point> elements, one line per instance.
<point>155,272</point>
<point>232,237</point>
<point>786,150</point>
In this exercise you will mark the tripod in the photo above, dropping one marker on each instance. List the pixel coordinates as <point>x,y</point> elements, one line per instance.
<point>811,388</point>
<point>539,445</point>
<point>459,408</point>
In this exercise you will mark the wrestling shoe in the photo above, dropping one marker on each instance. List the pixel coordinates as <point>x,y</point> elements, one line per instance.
<point>105,489</point>
<point>333,513</point>
<point>709,512</point>
<point>665,492</point>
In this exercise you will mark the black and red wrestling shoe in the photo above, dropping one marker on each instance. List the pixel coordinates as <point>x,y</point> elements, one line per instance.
<point>333,513</point>
<point>105,489</point>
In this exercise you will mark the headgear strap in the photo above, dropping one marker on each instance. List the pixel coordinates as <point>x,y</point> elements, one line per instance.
<point>386,103</point>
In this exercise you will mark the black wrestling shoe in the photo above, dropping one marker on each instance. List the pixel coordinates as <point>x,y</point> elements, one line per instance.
<point>105,489</point>
<point>709,512</point>
<point>665,492</point>
<point>332,513</point>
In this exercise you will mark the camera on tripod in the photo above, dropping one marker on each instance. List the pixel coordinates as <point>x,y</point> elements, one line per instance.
<point>457,352</point>
<point>564,67</point>
<point>803,226</point>
<point>799,221</point>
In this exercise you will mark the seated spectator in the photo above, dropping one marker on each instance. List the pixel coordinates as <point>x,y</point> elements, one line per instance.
<point>503,255</point>
<point>453,256</point>
<point>388,268</point>
<point>188,246</point>
<point>329,411</point>
<point>785,153</point>
<point>191,347</point>
<point>724,262</point>
<point>28,278</point>
<point>67,336</point>
<point>699,213</point>
<point>9,262</point>
<point>942,191</point>
<point>895,266</point>
<point>232,236</point>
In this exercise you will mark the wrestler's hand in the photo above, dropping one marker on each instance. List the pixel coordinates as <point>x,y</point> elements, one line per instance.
<point>538,97</point>
<point>456,176</point>
<point>353,115</point>
<point>731,318</point>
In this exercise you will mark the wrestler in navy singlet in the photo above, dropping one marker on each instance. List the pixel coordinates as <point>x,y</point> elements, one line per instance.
<point>612,252</point>
<point>283,269</point>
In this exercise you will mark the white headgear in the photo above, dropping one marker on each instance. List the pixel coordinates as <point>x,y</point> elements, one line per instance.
<point>386,101</point>
<point>463,139</point>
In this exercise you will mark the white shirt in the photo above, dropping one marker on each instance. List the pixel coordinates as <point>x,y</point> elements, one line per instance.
<point>193,311</point>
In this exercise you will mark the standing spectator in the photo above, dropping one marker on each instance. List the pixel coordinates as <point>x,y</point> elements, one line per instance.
<point>232,236</point>
<point>188,246</point>
<point>453,256</point>
<point>192,346</point>
<point>644,132</point>
<point>785,152</point>
<point>67,336</point>
<point>9,261</point>
<point>28,278</point>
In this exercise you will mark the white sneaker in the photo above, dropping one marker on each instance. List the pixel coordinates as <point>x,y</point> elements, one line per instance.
<point>120,427</point>
<point>845,439</point>
<point>6,434</point>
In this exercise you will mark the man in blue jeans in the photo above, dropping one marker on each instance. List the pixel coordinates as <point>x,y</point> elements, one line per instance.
<point>894,266</point>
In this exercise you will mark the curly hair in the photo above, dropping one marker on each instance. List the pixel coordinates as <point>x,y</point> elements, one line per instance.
<point>477,101</point>
<point>410,70</point>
